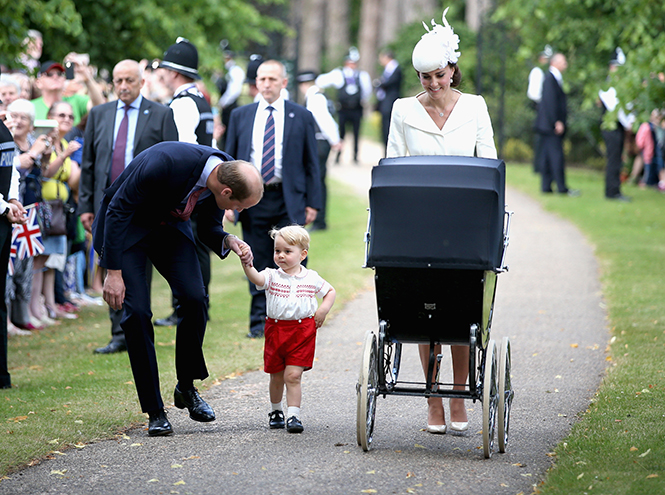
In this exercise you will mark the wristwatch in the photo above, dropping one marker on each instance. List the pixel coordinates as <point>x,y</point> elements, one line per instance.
<point>4,213</point>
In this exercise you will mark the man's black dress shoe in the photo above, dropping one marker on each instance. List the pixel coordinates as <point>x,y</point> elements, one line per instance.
<point>158,425</point>
<point>256,335</point>
<point>199,410</point>
<point>276,420</point>
<point>169,321</point>
<point>293,425</point>
<point>620,197</point>
<point>111,348</point>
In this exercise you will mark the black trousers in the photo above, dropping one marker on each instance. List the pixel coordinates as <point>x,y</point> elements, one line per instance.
<point>115,315</point>
<point>614,149</point>
<point>551,163</point>
<point>174,256</point>
<point>324,150</point>
<point>257,222</point>
<point>353,117</point>
<point>5,245</point>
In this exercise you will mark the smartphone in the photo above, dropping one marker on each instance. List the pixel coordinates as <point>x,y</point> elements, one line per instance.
<point>69,70</point>
<point>44,127</point>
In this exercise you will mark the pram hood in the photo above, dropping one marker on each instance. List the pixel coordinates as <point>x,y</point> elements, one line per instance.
<point>438,212</point>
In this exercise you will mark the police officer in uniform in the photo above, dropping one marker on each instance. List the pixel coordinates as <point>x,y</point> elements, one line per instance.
<point>193,118</point>
<point>354,91</point>
<point>11,211</point>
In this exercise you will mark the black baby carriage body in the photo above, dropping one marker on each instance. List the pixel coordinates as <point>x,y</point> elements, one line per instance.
<point>436,238</point>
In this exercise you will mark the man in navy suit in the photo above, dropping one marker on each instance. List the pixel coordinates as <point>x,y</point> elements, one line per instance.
<point>145,215</point>
<point>292,185</point>
<point>148,123</point>
<point>551,125</point>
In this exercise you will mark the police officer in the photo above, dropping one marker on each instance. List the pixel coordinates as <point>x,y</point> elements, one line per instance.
<point>193,118</point>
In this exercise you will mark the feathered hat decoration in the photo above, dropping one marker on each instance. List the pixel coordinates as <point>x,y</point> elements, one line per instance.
<point>436,48</point>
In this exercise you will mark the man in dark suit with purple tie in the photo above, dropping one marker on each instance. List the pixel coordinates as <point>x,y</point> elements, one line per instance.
<point>278,137</point>
<point>145,216</point>
<point>115,133</point>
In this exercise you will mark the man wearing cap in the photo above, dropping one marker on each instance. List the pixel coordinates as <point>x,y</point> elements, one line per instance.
<point>534,92</point>
<point>11,211</point>
<point>51,82</point>
<point>278,137</point>
<point>614,134</point>
<point>354,91</point>
<point>327,135</point>
<point>115,133</point>
<point>230,89</point>
<point>194,120</point>
<point>388,89</point>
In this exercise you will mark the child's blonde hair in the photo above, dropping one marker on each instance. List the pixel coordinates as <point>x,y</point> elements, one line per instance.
<point>294,235</point>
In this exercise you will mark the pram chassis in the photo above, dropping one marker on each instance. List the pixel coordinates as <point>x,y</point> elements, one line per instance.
<point>465,288</point>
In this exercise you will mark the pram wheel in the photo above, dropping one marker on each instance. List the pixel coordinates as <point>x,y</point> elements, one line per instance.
<point>506,394</point>
<point>490,399</point>
<point>367,390</point>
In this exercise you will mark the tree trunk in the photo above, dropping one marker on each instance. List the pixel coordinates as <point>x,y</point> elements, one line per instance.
<point>475,10</point>
<point>369,36</point>
<point>311,34</point>
<point>391,21</point>
<point>420,10</point>
<point>337,33</point>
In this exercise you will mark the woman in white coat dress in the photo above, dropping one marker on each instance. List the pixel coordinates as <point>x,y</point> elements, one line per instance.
<point>441,120</point>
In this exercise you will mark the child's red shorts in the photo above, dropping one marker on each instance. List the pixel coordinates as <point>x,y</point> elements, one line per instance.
<point>289,342</point>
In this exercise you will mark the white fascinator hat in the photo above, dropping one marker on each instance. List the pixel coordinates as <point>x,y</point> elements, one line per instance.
<point>437,48</point>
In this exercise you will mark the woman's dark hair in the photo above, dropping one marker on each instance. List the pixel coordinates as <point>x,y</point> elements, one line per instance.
<point>457,75</point>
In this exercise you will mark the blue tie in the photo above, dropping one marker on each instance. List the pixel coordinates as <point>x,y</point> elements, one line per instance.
<point>268,159</point>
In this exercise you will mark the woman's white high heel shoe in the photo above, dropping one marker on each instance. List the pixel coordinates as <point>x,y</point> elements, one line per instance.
<point>459,425</point>
<point>436,429</point>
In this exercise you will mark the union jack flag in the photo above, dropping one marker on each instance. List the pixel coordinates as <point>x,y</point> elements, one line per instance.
<point>28,238</point>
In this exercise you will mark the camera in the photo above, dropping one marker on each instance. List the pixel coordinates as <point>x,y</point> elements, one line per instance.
<point>69,70</point>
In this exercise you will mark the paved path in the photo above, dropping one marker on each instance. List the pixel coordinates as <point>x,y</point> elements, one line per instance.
<point>549,304</point>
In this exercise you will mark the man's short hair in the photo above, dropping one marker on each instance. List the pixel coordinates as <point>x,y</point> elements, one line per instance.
<point>231,175</point>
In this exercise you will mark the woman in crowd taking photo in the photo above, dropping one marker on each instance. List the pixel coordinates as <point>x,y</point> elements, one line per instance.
<point>441,120</point>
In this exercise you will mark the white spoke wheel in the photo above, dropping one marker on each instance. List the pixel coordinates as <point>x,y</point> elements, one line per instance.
<point>490,399</point>
<point>506,394</point>
<point>368,385</point>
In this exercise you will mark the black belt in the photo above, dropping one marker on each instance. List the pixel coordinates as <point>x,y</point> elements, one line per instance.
<point>275,186</point>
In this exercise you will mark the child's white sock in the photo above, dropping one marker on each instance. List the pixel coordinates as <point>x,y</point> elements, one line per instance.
<point>276,406</point>
<point>293,411</point>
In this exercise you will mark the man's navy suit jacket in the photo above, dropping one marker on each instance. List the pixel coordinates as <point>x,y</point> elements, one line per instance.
<point>142,198</point>
<point>552,107</point>
<point>301,183</point>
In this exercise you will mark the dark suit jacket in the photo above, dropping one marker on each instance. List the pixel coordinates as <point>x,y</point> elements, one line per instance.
<point>552,106</point>
<point>155,124</point>
<point>142,198</point>
<point>301,183</point>
<point>392,86</point>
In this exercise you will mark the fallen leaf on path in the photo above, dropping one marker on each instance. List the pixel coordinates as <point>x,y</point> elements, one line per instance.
<point>136,445</point>
<point>191,457</point>
<point>154,480</point>
<point>369,490</point>
<point>574,346</point>
<point>418,446</point>
<point>176,466</point>
<point>371,472</point>
<point>181,482</point>
<point>410,475</point>
<point>61,473</point>
<point>79,445</point>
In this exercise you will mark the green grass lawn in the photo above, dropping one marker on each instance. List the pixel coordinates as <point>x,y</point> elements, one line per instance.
<point>64,395</point>
<point>618,446</point>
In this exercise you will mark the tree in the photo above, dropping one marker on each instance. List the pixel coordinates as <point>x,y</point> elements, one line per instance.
<point>588,33</point>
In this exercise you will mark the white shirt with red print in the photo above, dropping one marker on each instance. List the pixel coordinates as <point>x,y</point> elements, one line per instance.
<point>292,297</point>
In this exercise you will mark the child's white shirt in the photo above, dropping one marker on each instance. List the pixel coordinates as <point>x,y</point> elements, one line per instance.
<point>292,297</point>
